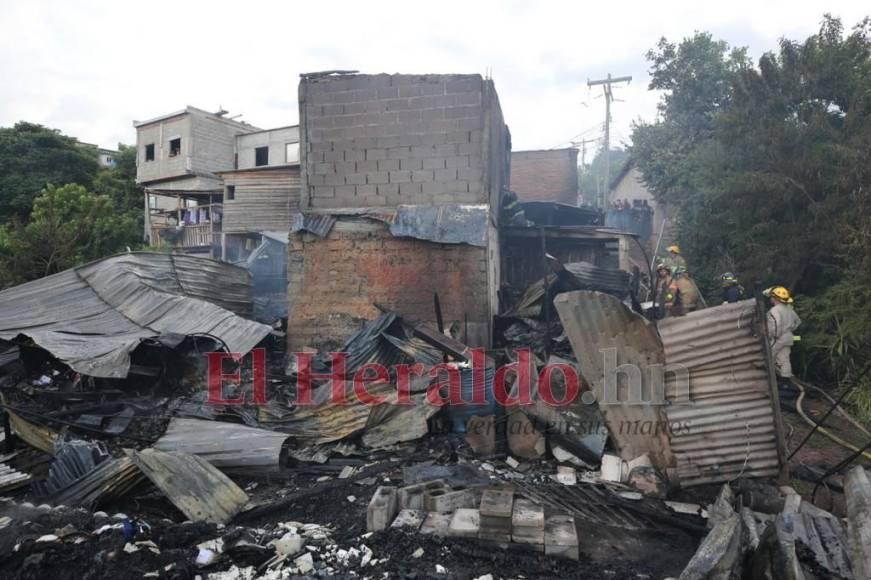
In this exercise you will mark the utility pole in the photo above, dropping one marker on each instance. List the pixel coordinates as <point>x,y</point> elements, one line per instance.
<point>583,144</point>
<point>609,96</point>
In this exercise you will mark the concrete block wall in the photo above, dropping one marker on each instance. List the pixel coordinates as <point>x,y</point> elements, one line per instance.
<point>334,282</point>
<point>550,175</point>
<point>385,140</point>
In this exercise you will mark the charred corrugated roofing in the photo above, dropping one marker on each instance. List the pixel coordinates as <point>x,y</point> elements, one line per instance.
<point>93,316</point>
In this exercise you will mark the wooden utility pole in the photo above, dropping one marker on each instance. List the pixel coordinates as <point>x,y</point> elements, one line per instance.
<point>583,144</point>
<point>609,96</point>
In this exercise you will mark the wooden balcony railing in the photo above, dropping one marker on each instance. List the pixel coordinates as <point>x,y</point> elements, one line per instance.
<point>186,236</point>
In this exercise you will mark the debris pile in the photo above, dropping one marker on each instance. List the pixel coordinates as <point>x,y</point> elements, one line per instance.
<point>159,431</point>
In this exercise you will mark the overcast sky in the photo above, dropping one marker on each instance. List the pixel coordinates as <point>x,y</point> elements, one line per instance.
<point>90,68</point>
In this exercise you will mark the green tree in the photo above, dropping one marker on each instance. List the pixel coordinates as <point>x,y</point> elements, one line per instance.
<point>119,182</point>
<point>31,157</point>
<point>769,167</point>
<point>69,225</point>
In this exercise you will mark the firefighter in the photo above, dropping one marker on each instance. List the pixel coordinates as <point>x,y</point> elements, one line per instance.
<point>664,299</point>
<point>674,260</point>
<point>732,290</point>
<point>782,321</point>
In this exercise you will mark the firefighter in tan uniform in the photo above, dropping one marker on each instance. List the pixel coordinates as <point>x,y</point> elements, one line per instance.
<point>782,322</point>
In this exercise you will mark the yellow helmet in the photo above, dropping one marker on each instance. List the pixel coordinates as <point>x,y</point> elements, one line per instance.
<point>781,294</point>
<point>675,249</point>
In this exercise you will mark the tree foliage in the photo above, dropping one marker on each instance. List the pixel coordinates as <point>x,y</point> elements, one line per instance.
<point>69,225</point>
<point>769,167</point>
<point>31,157</point>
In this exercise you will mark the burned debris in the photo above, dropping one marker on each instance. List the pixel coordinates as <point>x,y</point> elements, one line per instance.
<point>448,384</point>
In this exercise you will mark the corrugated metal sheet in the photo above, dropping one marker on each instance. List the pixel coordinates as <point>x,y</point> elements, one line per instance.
<point>109,481</point>
<point>225,445</point>
<point>92,317</point>
<point>195,487</point>
<point>594,321</point>
<point>445,224</point>
<point>263,200</point>
<point>317,224</point>
<point>610,280</point>
<point>729,418</point>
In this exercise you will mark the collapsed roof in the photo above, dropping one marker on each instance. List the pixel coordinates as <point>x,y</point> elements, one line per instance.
<point>93,316</point>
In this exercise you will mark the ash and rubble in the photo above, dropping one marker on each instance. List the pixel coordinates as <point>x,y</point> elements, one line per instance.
<point>141,475</point>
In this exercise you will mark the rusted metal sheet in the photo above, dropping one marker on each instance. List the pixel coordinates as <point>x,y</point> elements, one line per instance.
<point>224,445</point>
<point>724,426</point>
<point>193,485</point>
<point>93,316</point>
<point>604,335</point>
<point>36,436</point>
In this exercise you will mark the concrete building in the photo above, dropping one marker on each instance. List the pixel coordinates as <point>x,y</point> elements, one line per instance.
<point>545,175</point>
<point>215,184</point>
<point>262,193</point>
<point>375,148</point>
<point>178,157</point>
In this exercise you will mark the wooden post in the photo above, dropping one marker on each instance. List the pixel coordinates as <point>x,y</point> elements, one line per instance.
<point>762,325</point>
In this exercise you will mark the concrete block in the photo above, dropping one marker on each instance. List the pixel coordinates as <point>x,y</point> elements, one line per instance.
<point>409,189</point>
<point>494,536</point>
<point>400,176</point>
<point>566,475</point>
<point>382,508</point>
<point>378,177</point>
<point>434,163</point>
<point>411,496</point>
<point>446,174</point>
<point>561,537</point>
<point>422,176</point>
<point>436,524</point>
<point>465,523</point>
<point>410,519</point>
<point>443,501</point>
<point>497,503</point>
<point>527,514</point>
<point>534,536</point>
<point>612,468</point>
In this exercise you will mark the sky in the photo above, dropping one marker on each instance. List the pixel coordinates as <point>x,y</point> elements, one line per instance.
<point>90,68</point>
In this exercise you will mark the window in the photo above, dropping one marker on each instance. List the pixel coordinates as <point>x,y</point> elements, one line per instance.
<point>291,152</point>
<point>261,156</point>
<point>231,192</point>
<point>175,147</point>
<point>149,152</point>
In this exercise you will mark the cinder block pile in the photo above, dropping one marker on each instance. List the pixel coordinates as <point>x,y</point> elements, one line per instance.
<point>495,515</point>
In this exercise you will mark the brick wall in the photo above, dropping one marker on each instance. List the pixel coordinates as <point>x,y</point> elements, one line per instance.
<point>335,281</point>
<point>550,175</point>
<point>385,140</point>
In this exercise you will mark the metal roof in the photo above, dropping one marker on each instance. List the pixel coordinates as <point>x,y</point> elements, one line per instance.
<point>726,428</point>
<point>93,316</point>
<point>599,325</point>
<point>223,444</point>
<point>729,417</point>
